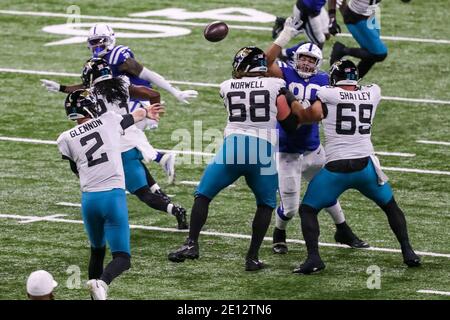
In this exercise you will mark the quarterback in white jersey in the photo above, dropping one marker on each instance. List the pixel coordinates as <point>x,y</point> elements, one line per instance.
<point>93,150</point>
<point>254,105</point>
<point>346,111</point>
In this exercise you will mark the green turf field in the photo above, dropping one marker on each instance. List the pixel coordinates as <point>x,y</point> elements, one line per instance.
<point>33,179</point>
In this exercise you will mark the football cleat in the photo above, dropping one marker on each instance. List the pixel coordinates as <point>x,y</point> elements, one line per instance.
<point>348,238</point>
<point>98,289</point>
<point>167,162</point>
<point>180,215</point>
<point>311,265</point>
<point>254,264</point>
<point>189,250</point>
<point>337,52</point>
<point>410,258</point>
<point>279,245</point>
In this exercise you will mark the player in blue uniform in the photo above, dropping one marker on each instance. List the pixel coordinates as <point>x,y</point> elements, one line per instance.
<point>301,153</point>
<point>102,42</point>
<point>360,19</point>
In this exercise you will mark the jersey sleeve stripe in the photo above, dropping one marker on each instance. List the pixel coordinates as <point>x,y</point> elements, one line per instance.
<point>113,54</point>
<point>121,50</point>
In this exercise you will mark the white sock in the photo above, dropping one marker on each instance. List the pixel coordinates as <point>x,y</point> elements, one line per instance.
<point>169,208</point>
<point>336,213</point>
<point>154,188</point>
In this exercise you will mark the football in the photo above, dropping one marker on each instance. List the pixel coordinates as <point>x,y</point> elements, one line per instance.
<point>216,31</point>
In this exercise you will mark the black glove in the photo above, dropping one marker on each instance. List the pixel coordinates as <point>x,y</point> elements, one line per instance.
<point>289,95</point>
<point>333,27</point>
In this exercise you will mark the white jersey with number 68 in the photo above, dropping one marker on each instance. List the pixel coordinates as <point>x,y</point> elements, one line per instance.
<point>251,106</point>
<point>347,122</point>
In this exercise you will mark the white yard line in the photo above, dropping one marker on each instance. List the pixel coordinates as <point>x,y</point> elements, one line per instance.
<point>196,183</point>
<point>69,204</point>
<point>45,218</point>
<point>395,154</point>
<point>442,293</point>
<point>203,84</point>
<point>442,143</point>
<point>446,173</point>
<point>195,24</point>
<point>411,170</point>
<point>226,235</point>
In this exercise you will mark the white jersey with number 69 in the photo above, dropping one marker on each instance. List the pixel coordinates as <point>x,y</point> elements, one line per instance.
<point>95,148</point>
<point>347,122</point>
<point>251,106</point>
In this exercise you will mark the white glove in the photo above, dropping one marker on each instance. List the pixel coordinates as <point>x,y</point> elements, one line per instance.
<point>290,30</point>
<point>51,86</point>
<point>184,96</point>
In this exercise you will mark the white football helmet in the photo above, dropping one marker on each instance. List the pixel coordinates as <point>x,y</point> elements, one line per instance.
<point>101,39</point>
<point>307,69</point>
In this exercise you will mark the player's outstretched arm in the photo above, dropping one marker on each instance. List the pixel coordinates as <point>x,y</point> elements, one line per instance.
<point>53,86</point>
<point>151,112</point>
<point>304,112</point>
<point>271,54</point>
<point>144,93</point>
<point>135,68</point>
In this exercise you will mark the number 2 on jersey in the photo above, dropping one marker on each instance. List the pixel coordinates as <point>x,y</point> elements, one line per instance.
<point>95,147</point>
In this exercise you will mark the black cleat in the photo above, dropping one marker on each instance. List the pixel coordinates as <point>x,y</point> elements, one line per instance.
<point>346,236</point>
<point>311,265</point>
<point>254,264</point>
<point>279,245</point>
<point>180,214</point>
<point>410,258</point>
<point>337,52</point>
<point>189,250</point>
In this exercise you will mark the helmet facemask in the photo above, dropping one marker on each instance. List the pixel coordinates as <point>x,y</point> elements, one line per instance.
<point>306,66</point>
<point>99,45</point>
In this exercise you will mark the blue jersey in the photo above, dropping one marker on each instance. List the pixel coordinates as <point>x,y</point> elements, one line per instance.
<point>314,6</point>
<point>116,57</point>
<point>306,137</point>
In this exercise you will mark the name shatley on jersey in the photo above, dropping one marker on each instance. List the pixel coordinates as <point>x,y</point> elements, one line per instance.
<point>347,95</point>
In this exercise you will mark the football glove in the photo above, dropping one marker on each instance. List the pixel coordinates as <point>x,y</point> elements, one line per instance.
<point>290,30</point>
<point>184,96</point>
<point>51,86</point>
<point>333,27</point>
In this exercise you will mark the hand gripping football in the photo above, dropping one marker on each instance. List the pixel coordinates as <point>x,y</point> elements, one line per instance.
<point>216,31</point>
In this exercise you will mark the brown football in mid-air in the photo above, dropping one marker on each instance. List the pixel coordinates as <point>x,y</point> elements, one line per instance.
<point>215,31</point>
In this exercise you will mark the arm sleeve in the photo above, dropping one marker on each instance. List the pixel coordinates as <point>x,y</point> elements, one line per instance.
<point>73,165</point>
<point>127,121</point>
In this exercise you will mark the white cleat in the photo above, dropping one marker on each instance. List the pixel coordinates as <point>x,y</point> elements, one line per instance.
<point>98,289</point>
<point>168,164</point>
